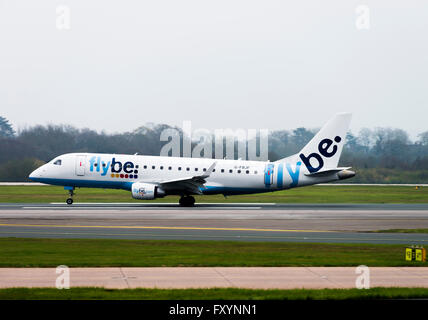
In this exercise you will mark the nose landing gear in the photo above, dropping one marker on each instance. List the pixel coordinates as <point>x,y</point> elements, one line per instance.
<point>69,200</point>
<point>187,201</point>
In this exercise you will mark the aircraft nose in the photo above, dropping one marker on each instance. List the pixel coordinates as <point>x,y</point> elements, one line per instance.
<point>36,174</point>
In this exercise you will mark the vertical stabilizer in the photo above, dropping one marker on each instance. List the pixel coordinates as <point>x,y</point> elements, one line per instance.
<point>324,150</point>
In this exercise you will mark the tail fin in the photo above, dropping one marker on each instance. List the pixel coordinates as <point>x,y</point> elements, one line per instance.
<point>324,150</point>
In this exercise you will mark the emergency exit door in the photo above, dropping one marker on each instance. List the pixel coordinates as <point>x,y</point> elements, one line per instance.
<point>269,174</point>
<point>80,165</point>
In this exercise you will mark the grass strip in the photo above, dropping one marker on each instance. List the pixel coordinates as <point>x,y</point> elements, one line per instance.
<point>28,252</point>
<point>83,293</point>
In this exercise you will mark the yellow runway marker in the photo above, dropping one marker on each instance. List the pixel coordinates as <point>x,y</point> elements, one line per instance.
<point>164,228</point>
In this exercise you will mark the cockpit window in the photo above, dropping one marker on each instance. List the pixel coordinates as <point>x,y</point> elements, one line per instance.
<point>58,162</point>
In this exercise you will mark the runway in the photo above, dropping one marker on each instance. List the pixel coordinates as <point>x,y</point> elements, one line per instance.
<point>335,223</point>
<point>218,277</point>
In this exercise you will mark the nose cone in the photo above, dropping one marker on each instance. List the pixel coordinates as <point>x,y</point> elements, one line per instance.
<point>36,174</point>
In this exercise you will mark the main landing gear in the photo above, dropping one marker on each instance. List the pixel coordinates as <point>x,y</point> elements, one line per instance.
<point>187,201</point>
<point>69,200</point>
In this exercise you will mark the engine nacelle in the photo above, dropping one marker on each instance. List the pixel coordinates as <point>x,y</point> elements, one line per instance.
<point>146,191</point>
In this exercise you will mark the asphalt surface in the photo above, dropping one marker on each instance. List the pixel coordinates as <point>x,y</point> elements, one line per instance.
<point>333,223</point>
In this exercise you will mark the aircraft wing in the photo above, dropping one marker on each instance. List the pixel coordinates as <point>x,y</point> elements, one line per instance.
<point>188,184</point>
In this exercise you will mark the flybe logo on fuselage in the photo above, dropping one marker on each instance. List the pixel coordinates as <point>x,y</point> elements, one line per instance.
<point>118,169</point>
<point>323,149</point>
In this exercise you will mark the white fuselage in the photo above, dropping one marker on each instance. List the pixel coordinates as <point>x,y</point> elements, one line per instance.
<point>120,171</point>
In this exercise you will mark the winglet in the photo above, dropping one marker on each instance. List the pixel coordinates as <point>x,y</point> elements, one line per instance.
<point>209,171</point>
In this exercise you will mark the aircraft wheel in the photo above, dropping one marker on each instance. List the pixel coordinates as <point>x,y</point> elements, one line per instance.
<point>187,201</point>
<point>69,201</point>
<point>191,201</point>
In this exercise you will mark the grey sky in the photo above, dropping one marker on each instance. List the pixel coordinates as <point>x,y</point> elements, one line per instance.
<point>221,64</point>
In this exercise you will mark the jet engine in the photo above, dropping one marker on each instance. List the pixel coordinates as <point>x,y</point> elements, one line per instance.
<point>146,191</point>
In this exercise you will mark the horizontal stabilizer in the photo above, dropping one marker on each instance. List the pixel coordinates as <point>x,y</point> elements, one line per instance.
<point>326,172</point>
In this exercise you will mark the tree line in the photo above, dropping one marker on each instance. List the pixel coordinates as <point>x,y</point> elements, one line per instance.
<point>380,155</point>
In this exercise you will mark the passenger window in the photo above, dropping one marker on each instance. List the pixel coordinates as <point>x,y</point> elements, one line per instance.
<point>230,170</point>
<point>222,170</point>
<point>213,170</point>
<point>57,163</point>
<point>161,167</point>
<point>153,167</point>
<point>204,169</point>
<point>239,171</point>
<point>145,167</point>
<point>179,168</point>
<point>247,172</point>
<point>187,169</point>
<point>196,169</point>
<point>169,168</point>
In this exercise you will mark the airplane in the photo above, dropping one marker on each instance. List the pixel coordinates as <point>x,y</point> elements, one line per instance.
<point>151,177</point>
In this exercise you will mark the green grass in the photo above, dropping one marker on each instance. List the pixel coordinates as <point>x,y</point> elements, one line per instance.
<point>210,294</point>
<point>25,252</point>
<point>312,194</point>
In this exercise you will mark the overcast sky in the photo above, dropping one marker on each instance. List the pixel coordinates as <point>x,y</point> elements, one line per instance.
<point>221,64</point>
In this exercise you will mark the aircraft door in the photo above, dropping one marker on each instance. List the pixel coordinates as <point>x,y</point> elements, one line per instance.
<point>80,165</point>
<point>269,174</point>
